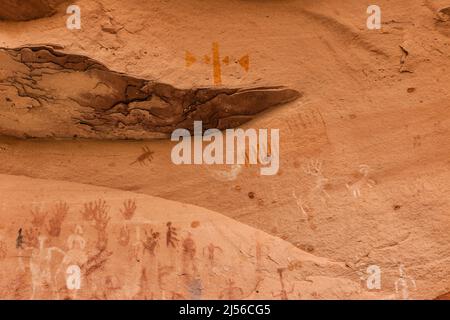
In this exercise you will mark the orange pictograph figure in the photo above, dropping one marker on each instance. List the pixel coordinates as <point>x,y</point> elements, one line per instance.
<point>151,241</point>
<point>124,236</point>
<point>3,250</point>
<point>171,235</point>
<point>283,294</point>
<point>189,255</point>
<point>210,251</point>
<point>217,62</point>
<point>231,292</point>
<point>19,239</point>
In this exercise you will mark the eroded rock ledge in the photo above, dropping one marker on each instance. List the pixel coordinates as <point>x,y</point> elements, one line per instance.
<point>46,93</point>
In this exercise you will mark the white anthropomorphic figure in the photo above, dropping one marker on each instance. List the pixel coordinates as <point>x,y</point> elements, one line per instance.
<point>76,245</point>
<point>75,256</point>
<point>402,283</point>
<point>355,188</point>
<point>40,266</point>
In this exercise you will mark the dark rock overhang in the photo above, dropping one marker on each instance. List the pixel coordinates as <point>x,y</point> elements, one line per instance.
<point>24,10</point>
<point>47,93</point>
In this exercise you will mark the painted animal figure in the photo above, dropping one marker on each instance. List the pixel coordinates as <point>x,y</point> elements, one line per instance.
<point>355,188</point>
<point>147,155</point>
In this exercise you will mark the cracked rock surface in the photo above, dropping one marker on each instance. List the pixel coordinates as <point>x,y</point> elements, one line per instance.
<point>47,93</point>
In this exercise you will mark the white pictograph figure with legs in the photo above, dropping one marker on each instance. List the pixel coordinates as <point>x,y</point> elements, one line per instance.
<point>40,266</point>
<point>75,255</point>
<point>302,208</point>
<point>76,245</point>
<point>355,188</point>
<point>299,203</point>
<point>401,285</point>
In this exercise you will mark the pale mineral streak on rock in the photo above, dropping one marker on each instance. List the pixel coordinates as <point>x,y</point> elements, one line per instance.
<point>53,94</point>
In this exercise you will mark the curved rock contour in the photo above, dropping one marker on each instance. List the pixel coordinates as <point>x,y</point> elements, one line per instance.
<point>176,251</point>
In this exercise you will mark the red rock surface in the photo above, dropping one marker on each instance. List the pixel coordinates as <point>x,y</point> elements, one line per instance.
<point>364,152</point>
